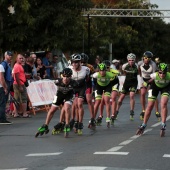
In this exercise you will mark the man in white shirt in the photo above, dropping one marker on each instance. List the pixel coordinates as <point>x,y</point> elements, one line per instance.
<point>114,64</point>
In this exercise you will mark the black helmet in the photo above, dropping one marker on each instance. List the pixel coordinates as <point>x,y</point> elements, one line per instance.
<point>84,57</point>
<point>148,54</point>
<point>75,57</point>
<point>163,67</point>
<point>67,72</point>
<point>101,67</point>
<point>107,63</point>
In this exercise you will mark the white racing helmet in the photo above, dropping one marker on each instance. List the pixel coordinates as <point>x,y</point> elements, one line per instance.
<point>131,56</point>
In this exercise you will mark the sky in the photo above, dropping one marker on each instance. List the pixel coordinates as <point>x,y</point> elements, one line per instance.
<point>163,4</point>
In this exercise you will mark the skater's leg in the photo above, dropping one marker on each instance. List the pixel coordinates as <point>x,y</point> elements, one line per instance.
<point>90,104</point>
<point>132,100</point>
<point>101,107</point>
<point>50,114</point>
<point>120,100</point>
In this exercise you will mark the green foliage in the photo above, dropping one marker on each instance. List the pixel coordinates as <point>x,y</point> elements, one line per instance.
<point>59,24</point>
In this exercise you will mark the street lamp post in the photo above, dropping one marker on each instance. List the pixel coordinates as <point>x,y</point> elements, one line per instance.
<point>88,17</point>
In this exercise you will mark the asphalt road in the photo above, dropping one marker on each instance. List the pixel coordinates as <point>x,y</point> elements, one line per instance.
<point>114,148</point>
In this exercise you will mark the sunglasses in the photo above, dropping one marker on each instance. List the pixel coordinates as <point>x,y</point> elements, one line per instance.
<point>161,72</point>
<point>130,60</point>
<point>147,58</point>
<point>75,62</point>
<point>66,76</point>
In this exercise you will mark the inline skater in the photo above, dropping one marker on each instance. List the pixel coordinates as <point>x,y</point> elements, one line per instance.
<point>64,96</point>
<point>147,67</point>
<point>81,76</point>
<point>103,87</point>
<point>89,89</point>
<point>131,71</point>
<point>161,83</point>
<point>114,94</point>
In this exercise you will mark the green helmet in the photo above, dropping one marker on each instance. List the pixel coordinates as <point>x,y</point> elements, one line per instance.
<point>163,67</point>
<point>102,66</point>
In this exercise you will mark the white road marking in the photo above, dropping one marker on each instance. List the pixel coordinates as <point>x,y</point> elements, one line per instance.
<point>111,153</point>
<point>126,142</point>
<point>114,149</point>
<point>147,130</point>
<point>86,168</point>
<point>135,136</point>
<point>16,169</point>
<point>166,155</point>
<point>44,154</point>
<point>159,123</point>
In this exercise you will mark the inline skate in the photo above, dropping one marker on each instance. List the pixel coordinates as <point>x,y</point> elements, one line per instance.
<point>66,130</point>
<point>108,121</point>
<point>99,121</point>
<point>92,124</point>
<point>112,119</point>
<point>80,127</point>
<point>58,128</point>
<point>142,115</point>
<point>116,114</point>
<point>163,128</point>
<point>141,129</point>
<point>158,115</point>
<point>76,126</point>
<point>41,130</point>
<point>72,124</point>
<point>131,115</point>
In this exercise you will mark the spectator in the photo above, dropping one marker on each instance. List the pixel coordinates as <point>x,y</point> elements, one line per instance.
<point>34,71</point>
<point>41,70</point>
<point>47,64</point>
<point>28,68</point>
<point>98,60</point>
<point>54,64</point>
<point>3,92</point>
<point>20,92</point>
<point>114,64</point>
<point>8,72</point>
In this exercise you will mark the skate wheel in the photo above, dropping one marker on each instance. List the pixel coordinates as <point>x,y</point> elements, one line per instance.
<point>131,118</point>
<point>75,130</point>
<point>159,119</point>
<point>66,134</point>
<point>162,133</point>
<point>46,131</point>
<point>108,124</point>
<point>80,132</point>
<point>37,134</point>
<point>141,117</point>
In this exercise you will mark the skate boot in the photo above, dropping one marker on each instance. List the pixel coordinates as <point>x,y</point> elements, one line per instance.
<point>158,115</point>
<point>92,124</point>
<point>41,130</point>
<point>80,127</point>
<point>99,121</point>
<point>112,119</point>
<point>66,130</point>
<point>142,115</point>
<point>72,124</point>
<point>131,115</point>
<point>163,128</point>
<point>141,129</point>
<point>76,126</point>
<point>108,121</point>
<point>116,115</point>
<point>63,125</point>
<point>57,128</point>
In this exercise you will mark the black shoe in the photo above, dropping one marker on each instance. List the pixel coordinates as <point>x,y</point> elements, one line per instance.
<point>5,122</point>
